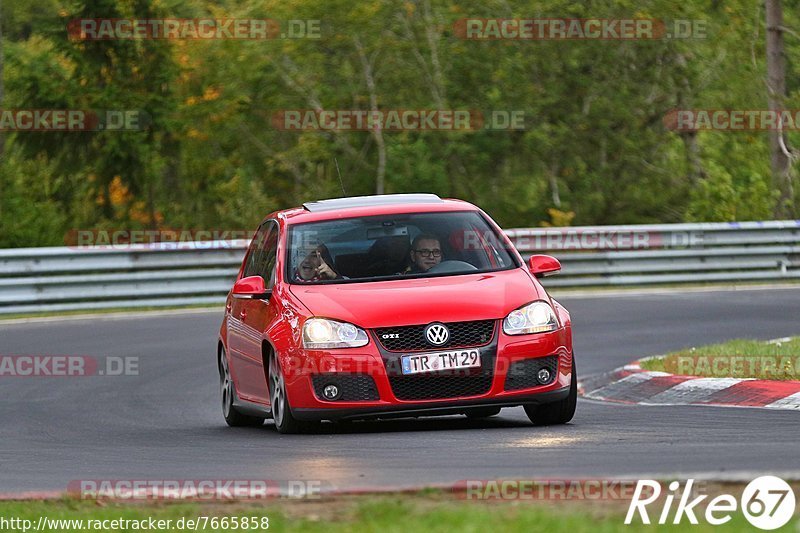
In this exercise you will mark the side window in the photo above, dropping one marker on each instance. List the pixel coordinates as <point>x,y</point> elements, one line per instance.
<point>269,256</point>
<point>257,250</point>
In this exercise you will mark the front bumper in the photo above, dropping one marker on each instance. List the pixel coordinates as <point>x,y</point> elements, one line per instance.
<point>444,407</point>
<point>389,399</point>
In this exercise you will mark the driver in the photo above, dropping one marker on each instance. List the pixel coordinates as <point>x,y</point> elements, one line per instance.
<point>426,253</point>
<point>316,266</point>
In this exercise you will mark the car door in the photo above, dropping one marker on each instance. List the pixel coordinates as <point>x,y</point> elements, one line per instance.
<point>249,317</point>
<point>259,316</point>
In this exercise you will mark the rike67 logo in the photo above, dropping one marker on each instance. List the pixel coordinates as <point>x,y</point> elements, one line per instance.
<point>767,502</point>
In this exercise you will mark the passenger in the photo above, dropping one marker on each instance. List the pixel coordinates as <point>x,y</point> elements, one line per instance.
<point>426,253</point>
<point>316,266</point>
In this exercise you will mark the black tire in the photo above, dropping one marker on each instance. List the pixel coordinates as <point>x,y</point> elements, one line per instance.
<point>233,417</point>
<point>559,412</point>
<point>482,412</point>
<point>285,422</point>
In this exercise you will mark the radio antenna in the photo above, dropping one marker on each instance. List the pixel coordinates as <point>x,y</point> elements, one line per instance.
<point>340,176</point>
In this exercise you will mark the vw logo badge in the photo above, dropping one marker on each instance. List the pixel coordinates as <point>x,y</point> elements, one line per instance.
<point>437,334</point>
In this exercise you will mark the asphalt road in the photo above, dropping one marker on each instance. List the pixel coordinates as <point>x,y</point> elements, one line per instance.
<point>166,423</point>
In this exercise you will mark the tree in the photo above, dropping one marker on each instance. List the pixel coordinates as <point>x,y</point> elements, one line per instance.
<point>781,155</point>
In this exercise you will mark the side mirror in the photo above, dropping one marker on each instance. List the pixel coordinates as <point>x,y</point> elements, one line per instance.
<point>251,287</point>
<point>543,265</point>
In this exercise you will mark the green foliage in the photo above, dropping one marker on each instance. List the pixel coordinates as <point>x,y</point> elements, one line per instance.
<point>594,146</point>
<point>29,215</point>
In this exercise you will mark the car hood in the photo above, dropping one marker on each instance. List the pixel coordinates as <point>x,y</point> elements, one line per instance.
<point>423,300</point>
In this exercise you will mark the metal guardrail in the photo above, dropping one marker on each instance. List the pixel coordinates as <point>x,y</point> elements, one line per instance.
<point>667,253</point>
<point>57,279</point>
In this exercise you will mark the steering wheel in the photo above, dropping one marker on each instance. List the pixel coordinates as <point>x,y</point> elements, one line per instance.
<point>446,267</point>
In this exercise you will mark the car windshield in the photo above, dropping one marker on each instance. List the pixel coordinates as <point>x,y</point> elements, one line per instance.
<point>394,246</point>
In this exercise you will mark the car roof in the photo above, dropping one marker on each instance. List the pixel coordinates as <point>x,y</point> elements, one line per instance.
<point>358,206</point>
<point>371,201</point>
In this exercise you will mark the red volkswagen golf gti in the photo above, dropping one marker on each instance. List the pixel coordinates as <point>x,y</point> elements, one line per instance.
<point>391,306</point>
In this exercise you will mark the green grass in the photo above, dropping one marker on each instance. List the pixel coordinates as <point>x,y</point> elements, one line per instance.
<point>384,513</point>
<point>741,358</point>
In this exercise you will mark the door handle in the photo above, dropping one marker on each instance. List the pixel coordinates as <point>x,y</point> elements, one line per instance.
<point>243,314</point>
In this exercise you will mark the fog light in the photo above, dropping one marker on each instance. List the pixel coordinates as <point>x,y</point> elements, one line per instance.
<point>543,376</point>
<point>331,392</point>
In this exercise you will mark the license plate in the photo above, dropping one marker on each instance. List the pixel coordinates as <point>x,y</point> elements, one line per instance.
<point>434,362</point>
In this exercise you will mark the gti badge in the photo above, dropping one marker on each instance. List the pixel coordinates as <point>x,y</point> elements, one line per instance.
<point>437,334</point>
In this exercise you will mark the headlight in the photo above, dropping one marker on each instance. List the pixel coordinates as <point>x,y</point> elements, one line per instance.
<point>537,317</point>
<point>321,333</point>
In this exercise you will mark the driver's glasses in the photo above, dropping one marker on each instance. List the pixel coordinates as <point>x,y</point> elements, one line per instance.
<point>426,252</point>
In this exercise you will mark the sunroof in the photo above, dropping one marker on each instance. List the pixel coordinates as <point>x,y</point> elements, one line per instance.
<point>369,201</point>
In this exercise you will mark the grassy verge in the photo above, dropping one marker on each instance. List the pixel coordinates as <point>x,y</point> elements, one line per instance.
<point>741,358</point>
<point>418,512</point>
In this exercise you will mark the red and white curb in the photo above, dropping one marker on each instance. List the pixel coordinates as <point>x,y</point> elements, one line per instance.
<point>632,385</point>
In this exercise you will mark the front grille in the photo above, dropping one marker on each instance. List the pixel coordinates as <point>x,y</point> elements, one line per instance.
<point>412,338</point>
<point>522,374</point>
<point>352,387</point>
